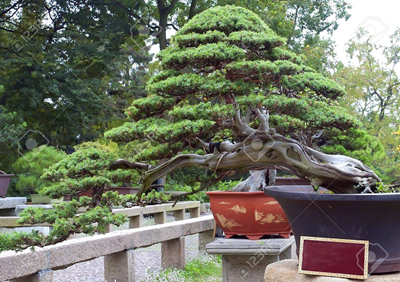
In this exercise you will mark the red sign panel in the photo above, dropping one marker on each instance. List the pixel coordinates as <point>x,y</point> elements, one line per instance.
<point>333,257</point>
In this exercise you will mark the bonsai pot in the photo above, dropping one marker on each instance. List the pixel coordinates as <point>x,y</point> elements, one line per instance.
<point>252,214</point>
<point>39,199</point>
<point>371,217</point>
<point>291,181</point>
<point>4,182</point>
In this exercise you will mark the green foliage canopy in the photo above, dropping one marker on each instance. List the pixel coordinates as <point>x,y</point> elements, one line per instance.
<point>29,172</point>
<point>225,59</point>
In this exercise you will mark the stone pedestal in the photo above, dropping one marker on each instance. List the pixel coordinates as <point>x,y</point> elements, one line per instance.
<point>245,260</point>
<point>287,270</point>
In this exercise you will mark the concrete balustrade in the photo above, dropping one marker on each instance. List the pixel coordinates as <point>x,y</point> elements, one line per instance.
<point>159,212</point>
<point>118,248</point>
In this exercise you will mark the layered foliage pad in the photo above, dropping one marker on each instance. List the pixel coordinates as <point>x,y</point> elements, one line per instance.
<point>28,173</point>
<point>224,59</point>
<point>84,170</point>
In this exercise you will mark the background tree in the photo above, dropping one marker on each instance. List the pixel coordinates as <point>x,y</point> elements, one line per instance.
<point>225,61</point>
<point>28,173</point>
<point>12,127</point>
<point>69,68</point>
<point>372,86</point>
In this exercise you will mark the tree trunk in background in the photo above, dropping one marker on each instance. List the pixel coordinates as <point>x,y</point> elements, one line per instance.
<point>162,37</point>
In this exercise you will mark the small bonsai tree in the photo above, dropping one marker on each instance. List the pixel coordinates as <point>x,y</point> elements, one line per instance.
<point>221,64</point>
<point>29,172</point>
<point>87,169</point>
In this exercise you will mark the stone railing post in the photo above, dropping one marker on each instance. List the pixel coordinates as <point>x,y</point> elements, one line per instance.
<point>136,221</point>
<point>109,228</point>
<point>120,267</point>
<point>173,253</point>
<point>179,214</point>
<point>42,276</point>
<point>194,212</point>
<point>205,238</point>
<point>160,217</point>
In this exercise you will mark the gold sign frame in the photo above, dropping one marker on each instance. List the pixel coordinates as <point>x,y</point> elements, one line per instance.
<point>341,275</point>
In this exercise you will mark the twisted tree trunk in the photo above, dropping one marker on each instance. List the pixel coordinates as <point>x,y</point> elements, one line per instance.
<point>261,149</point>
<point>258,180</point>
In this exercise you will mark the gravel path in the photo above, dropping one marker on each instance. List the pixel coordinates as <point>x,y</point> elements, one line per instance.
<point>146,259</point>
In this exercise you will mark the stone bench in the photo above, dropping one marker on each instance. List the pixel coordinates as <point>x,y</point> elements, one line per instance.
<point>245,260</point>
<point>287,270</point>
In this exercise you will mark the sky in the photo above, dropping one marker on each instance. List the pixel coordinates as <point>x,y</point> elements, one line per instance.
<point>379,17</point>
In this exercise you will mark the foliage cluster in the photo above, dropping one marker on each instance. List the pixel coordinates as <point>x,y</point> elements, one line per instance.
<point>12,128</point>
<point>87,169</point>
<point>29,172</point>
<point>222,59</point>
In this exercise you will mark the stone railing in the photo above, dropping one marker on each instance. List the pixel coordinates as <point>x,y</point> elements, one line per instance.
<point>134,214</point>
<point>118,248</point>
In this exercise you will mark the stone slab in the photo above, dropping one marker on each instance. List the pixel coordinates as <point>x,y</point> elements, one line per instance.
<point>272,246</point>
<point>287,270</point>
<point>11,202</point>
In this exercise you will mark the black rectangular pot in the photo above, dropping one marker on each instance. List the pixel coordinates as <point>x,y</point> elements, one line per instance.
<point>371,217</point>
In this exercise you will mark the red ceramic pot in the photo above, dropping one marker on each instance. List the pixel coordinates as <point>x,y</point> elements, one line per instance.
<point>252,214</point>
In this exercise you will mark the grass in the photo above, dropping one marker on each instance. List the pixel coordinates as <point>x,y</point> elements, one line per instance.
<point>204,267</point>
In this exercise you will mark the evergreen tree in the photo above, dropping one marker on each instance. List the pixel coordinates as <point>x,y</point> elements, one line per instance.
<point>224,62</point>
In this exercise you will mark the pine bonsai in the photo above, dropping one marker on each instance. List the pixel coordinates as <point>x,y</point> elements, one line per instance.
<point>228,77</point>
<point>87,169</point>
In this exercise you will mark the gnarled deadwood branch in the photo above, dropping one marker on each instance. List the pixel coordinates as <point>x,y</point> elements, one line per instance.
<point>262,149</point>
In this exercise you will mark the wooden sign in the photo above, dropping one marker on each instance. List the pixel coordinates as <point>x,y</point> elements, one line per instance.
<point>333,257</point>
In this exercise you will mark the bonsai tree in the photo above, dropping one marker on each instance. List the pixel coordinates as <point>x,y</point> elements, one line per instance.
<point>86,169</point>
<point>231,97</point>
<point>29,181</point>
